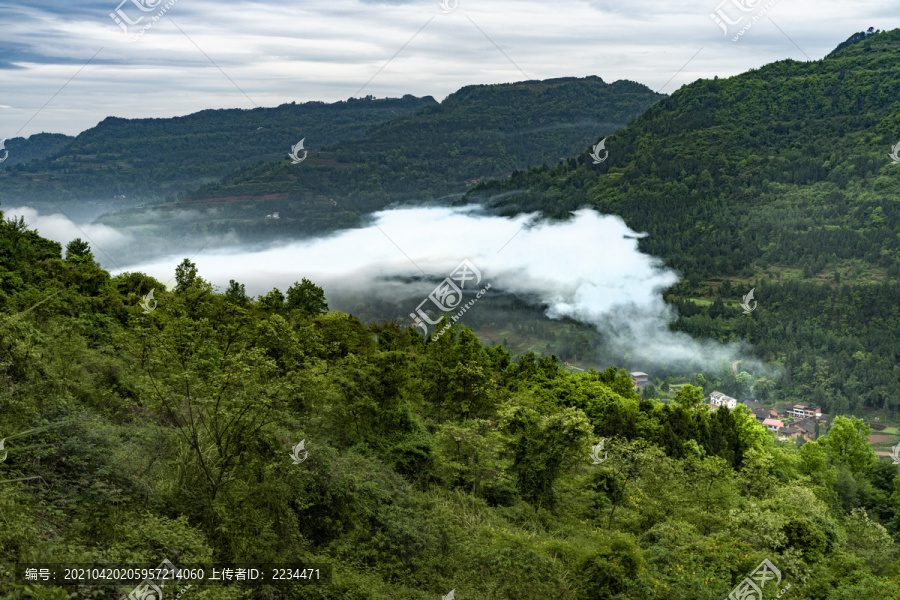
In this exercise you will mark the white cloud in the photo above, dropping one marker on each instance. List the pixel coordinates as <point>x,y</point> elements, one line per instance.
<point>588,268</point>
<point>60,228</point>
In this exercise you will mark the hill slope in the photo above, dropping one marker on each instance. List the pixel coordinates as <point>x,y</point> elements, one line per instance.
<point>777,180</point>
<point>218,429</point>
<point>37,146</point>
<point>479,131</point>
<point>482,131</point>
<point>154,159</point>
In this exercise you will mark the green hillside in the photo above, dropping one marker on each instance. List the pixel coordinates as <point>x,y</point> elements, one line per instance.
<point>483,131</point>
<point>34,147</point>
<point>134,437</point>
<point>777,180</point>
<point>479,132</point>
<point>151,160</point>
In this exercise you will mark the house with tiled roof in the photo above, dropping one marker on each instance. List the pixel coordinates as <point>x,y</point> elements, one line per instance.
<point>773,424</point>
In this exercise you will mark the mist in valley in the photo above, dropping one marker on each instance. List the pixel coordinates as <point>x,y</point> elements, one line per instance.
<point>581,287</point>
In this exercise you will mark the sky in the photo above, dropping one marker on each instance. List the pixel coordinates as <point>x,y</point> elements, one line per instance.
<point>67,65</point>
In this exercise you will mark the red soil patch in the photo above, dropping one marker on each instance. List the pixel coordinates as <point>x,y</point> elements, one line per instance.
<point>876,438</point>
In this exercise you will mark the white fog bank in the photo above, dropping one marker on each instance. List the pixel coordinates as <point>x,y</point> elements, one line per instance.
<point>588,268</point>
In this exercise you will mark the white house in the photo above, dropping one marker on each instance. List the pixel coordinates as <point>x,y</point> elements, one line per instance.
<point>720,399</point>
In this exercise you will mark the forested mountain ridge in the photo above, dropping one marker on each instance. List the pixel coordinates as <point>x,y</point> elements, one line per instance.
<point>164,432</point>
<point>40,145</point>
<point>778,180</point>
<point>439,150</point>
<point>156,159</point>
<point>481,131</point>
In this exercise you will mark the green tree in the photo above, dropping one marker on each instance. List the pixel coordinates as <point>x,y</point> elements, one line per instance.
<point>870,541</point>
<point>185,275</point>
<point>236,293</point>
<point>542,446</point>
<point>744,381</point>
<point>79,252</point>
<point>307,297</point>
<point>690,397</point>
<point>272,300</point>
<point>848,443</point>
<point>763,388</point>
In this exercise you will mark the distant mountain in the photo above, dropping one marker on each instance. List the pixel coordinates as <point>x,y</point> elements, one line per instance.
<point>441,150</point>
<point>37,146</point>
<point>781,180</point>
<point>151,160</point>
<point>479,132</point>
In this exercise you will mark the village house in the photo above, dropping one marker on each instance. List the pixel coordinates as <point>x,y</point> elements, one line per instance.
<point>787,432</point>
<point>773,424</point>
<point>720,399</point>
<point>639,379</point>
<point>802,411</point>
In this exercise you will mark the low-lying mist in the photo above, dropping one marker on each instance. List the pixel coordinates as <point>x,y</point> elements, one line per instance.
<point>588,268</point>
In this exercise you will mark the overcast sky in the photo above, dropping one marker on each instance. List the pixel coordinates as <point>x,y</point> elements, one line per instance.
<point>71,57</point>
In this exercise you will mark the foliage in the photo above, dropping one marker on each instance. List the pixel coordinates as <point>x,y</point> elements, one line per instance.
<point>144,160</point>
<point>778,180</point>
<point>439,464</point>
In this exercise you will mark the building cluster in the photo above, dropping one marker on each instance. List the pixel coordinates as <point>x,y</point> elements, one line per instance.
<point>804,416</point>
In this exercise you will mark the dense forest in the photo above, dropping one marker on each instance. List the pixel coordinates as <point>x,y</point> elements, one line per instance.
<point>40,145</point>
<point>137,432</point>
<point>481,131</point>
<point>435,153</point>
<point>777,180</point>
<point>152,160</point>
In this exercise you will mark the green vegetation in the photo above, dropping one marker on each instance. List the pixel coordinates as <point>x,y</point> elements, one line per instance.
<point>440,150</point>
<point>433,465</point>
<point>151,160</point>
<point>776,180</point>
<point>34,147</point>
<point>481,131</point>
